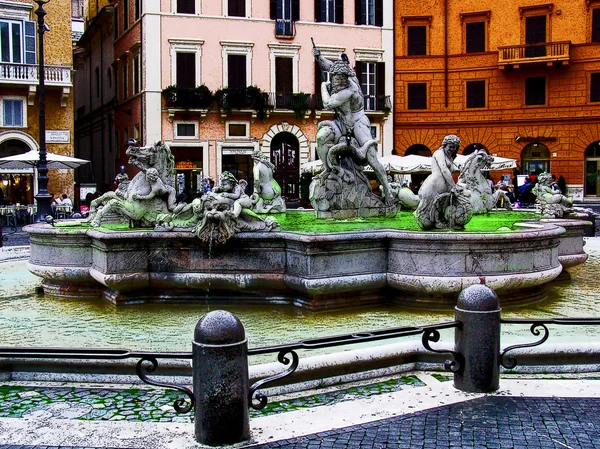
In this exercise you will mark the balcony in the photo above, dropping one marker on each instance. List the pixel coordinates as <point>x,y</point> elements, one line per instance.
<point>28,74</point>
<point>285,29</point>
<point>546,53</point>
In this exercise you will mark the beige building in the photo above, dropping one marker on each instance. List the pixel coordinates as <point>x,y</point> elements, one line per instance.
<point>19,99</point>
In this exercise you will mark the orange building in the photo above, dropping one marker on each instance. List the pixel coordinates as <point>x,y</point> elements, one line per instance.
<point>518,78</point>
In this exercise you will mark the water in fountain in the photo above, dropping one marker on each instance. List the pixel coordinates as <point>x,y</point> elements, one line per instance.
<point>30,320</point>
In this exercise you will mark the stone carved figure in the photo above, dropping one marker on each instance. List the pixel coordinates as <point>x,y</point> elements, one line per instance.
<point>267,197</point>
<point>472,179</point>
<point>122,181</point>
<point>218,215</point>
<point>345,145</point>
<point>443,204</point>
<point>147,195</point>
<point>403,197</point>
<point>553,204</point>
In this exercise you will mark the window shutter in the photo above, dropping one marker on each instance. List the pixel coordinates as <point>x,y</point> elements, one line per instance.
<point>186,69</point>
<point>30,56</point>
<point>596,25</point>
<point>417,40</point>
<point>236,68</point>
<point>358,18</point>
<point>380,85</point>
<point>295,10</point>
<point>339,11</point>
<point>274,5</point>
<point>379,13</point>
<point>358,69</point>
<point>475,37</point>
<point>318,12</point>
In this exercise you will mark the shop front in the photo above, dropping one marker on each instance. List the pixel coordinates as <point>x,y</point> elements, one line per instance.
<point>189,172</point>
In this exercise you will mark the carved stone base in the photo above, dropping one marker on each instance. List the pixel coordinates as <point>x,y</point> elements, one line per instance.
<point>345,192</point>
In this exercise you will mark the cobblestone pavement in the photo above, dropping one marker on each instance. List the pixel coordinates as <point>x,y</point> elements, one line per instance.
<point>489,422</point>
<point>156,405</point>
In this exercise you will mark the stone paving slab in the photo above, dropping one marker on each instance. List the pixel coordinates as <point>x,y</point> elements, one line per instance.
<point>488,422</point>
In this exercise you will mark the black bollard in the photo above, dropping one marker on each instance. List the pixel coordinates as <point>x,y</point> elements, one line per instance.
<point>220,375</point>
<point>478,340</point>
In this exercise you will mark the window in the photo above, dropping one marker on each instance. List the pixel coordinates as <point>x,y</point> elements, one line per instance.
<point>595,87</point>
<point>137,9</point>
<point>475,94</point>
<point>186,6</point>
<point>236,71</point>
<point>13,112</point>
<point>186,69</point>
<point>185,62</point>
<point>535,33</point>
<point>97,75</point>
<point>237,130</point>
<point>125,14</point>
<point>236,8</point>
<point>116,23</point>
<point>417,96</point>
<point>369,12</point>
<point>136,75</point>
<point>535,91</point>
<point>331,11</point>
<point>284,82</point>
<point>285,13</point>
<point>371,76</point>
<point>125,93</point>
<point>16,46</point>
<point>596,25</point>
<point>417,40</point>
<point>475,37</point>
<point>185,130</point>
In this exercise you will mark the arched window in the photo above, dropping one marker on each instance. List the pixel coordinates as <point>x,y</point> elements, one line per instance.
<point>474,147</point>
<point>418,178</point>
<point>535,158</point>
<point>592,170</point>
<point>418,149</point>
<point>285,155</point>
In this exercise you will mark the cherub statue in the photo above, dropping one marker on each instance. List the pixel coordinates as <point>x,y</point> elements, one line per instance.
<point>267,192</point>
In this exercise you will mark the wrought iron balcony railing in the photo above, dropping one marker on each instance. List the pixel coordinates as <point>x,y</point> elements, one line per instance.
<point>285,28</point>
<point>546,52</point>
<point>29,74</point>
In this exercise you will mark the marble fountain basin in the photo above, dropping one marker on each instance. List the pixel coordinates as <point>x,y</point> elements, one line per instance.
<point>313,271</point>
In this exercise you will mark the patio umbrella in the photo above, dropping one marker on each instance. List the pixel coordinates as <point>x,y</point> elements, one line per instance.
<point>413,164</point>
<point>32,159</point>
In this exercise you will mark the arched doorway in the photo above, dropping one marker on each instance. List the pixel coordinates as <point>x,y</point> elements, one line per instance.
<point>469,149</point>
<point>17,185</point>
<point>285,155</point>
<point>592,170</point>
<point>418,178</point>
<point>535,158</point>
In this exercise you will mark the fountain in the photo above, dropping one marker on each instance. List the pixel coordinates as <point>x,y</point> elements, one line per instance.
<point>220,243</point>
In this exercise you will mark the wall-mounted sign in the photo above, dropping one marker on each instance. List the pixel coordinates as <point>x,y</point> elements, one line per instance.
<point>58,136</point>
<point>535,139</point>
<point>231,150</point>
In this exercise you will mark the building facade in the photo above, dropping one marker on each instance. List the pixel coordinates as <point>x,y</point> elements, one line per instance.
<point>19,99</point>
<point>518,78</point>
<point>256,58</point>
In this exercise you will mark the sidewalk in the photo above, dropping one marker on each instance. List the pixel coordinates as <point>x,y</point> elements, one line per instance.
<point>424,411</point>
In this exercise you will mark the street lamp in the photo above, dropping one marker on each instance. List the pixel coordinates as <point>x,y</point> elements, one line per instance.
<point>43,197</point>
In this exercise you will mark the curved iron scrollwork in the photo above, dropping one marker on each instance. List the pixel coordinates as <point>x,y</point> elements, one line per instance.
<point>262,398</point>
<point>13,230</point>
<point>181,405</point>
<point>511,362</point>
<point>433,335</point>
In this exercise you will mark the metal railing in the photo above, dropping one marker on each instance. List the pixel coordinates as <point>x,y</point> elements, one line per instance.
<point>373,103</point>
<point>220,359</point>
<point>29,74</point>
<point>285,28</point>
<point>534,53</point>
